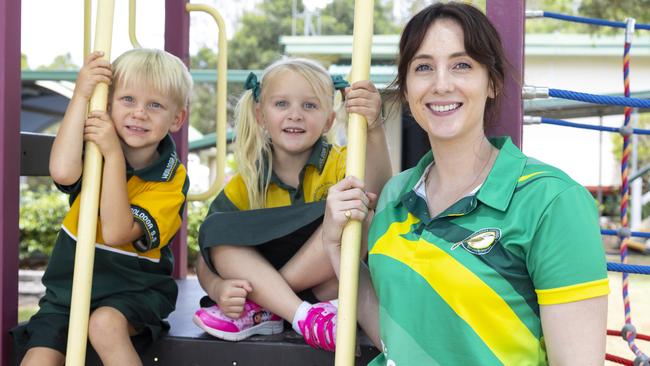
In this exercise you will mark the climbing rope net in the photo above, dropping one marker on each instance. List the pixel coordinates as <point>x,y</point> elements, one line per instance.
<point>628,331</point>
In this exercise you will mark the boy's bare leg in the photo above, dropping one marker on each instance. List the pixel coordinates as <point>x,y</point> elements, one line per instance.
<point>109,332</point>
<point>43,356</point>
<point>270,289</point>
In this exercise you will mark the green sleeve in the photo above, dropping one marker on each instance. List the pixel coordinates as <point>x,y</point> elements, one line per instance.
<point>567,250</point>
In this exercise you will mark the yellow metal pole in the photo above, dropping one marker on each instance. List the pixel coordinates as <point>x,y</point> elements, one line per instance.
<point>132,37</point>
<point>87,14</point>
<point>222,84</point>
<point>89,204</point>
<point>346,323</point>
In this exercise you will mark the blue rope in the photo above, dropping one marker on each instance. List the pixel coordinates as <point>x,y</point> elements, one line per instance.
<point>599,99</point>
<point>593,21</point>
<point>628,268</point>
<point>559,122</point>
<point>638,234</point>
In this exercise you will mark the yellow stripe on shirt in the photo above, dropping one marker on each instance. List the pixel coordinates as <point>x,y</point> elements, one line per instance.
<point>481,308</point>
<point>526,177</point>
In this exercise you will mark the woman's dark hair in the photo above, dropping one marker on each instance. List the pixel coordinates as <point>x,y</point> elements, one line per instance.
<point>482,43</point>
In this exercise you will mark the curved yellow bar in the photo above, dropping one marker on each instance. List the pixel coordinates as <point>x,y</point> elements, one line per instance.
<point>222,84</point>
<point>346,323</point>
<point>92,174</point>
<point>132,37</point>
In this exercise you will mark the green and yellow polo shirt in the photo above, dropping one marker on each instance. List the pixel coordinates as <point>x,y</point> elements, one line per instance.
<point>231,221</point>
<point>157,197</point>
<point>465,287</point>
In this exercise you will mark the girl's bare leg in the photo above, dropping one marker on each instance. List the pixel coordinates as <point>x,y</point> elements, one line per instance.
<point>270,289</point>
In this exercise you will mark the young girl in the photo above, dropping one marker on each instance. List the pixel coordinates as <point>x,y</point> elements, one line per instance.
<point>262,235</point>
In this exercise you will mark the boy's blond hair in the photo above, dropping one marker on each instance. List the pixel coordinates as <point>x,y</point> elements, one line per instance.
<point>252,146</point>
<point>157,69</point>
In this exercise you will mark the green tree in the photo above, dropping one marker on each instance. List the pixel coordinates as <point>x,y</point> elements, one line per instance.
<point>543,25</point>
<point>338,18</point>
<point>256,43</point>
<point>203,103</point>
<point>23,62</point>
<point>617,10</point>
<point>60,62</point>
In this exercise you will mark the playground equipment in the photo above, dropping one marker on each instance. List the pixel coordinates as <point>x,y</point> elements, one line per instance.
<point>628,332</point>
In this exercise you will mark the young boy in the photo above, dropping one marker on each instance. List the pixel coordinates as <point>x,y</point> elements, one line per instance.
<point>143,193</point>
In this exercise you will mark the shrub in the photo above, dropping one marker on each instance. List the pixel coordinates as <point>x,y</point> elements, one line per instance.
<point>42,209</point>
<point>196,212</point>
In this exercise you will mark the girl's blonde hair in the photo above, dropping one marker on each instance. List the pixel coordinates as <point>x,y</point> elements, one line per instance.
<point>157,69</point>
<point>252,146</point>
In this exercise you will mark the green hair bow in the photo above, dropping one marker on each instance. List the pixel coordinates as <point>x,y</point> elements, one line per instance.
<point>252,84</point>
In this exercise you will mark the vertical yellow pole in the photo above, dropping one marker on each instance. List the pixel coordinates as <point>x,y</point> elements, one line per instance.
<point>346,331</point>
<point>87,228</point>
<point>87,15</point>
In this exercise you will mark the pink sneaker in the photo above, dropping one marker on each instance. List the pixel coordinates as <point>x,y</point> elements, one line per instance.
<point>254,320</point>
<point>319,327</point>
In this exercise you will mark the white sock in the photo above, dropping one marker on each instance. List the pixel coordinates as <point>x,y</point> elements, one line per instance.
<point>301,314</point>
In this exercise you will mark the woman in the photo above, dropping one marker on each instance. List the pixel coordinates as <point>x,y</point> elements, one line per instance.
<point>479,255</point>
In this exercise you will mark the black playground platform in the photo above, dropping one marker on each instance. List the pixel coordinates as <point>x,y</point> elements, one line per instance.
<point>186,344</point>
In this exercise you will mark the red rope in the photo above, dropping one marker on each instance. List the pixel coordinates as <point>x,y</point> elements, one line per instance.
<point>642,337</point>
<point>621,360</point>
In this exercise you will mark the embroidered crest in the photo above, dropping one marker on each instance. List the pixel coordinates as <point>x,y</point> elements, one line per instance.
<point>480,242</point>
<point>320,193</point>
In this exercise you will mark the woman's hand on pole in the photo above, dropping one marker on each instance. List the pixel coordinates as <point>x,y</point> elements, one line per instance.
<point>346,200</point>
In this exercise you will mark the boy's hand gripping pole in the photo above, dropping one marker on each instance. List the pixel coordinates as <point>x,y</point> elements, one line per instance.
<point>346,331</point>
<point>89,204</point>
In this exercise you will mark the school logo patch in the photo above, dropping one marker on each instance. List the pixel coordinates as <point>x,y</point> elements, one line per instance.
<point>320,193</point>
<point>480,242</point>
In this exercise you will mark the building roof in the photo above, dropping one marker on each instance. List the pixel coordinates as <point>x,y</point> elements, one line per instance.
<point>384,47</point>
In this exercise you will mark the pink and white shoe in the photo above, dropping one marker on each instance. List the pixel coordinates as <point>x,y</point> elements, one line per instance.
<point>254,320</point>
<point>319,327</point>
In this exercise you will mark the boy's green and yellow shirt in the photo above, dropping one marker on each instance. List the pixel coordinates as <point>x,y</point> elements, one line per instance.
<point>465,287</point>
<point>231,221</point>
<point>157,196</point>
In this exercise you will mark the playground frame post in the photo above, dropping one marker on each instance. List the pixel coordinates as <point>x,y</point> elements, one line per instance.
<point>10,89</point>
<point>177,42</point>
<point>509,18</point>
